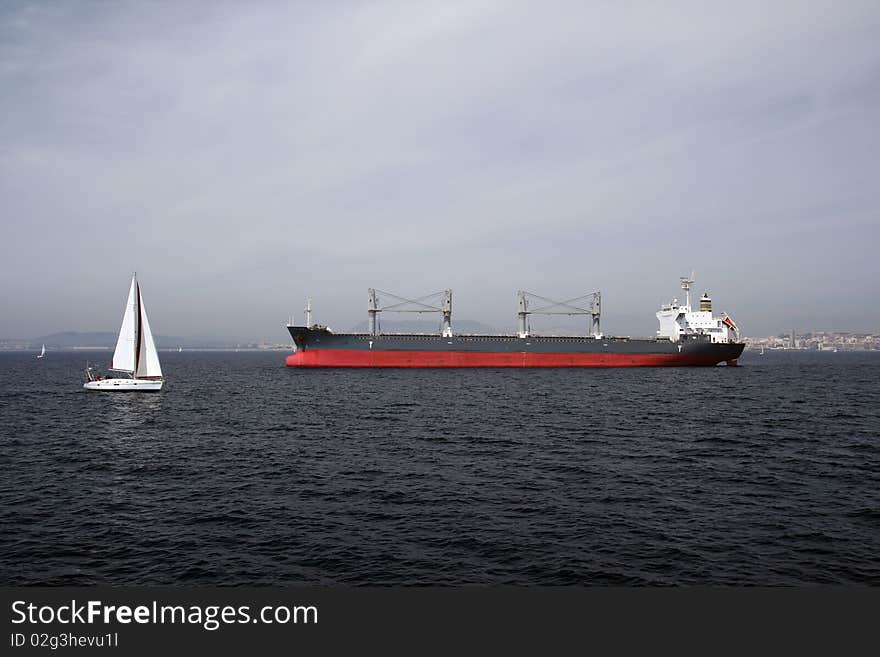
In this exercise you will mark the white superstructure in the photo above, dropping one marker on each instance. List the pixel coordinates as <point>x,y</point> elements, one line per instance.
<point>678,321</point>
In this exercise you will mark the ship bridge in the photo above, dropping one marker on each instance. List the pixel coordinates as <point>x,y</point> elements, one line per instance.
<point>678,321</point>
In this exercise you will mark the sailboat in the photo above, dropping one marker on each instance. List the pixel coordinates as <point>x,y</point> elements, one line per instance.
<point>135,353</point>
<point>42,352</point>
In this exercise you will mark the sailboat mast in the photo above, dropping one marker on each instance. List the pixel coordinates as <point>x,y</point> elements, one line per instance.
<point>137,328</point>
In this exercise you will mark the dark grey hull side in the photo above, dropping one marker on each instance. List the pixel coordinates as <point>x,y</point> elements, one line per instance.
<point>321,339</point>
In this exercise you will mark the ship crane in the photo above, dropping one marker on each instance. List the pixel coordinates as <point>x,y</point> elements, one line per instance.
<point>568,307</point>
<point>404,305</point>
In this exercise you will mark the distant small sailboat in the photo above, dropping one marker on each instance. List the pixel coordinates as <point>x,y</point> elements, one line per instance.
<point>762,350</point>
<point>135,352</point>
<point>179,349</point>
<point>42,352</point>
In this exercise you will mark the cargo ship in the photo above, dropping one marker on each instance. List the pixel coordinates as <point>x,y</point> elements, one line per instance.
<point>686,337</point>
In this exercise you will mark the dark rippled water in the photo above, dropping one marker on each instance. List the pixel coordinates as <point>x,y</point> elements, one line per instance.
<point>244,472</point>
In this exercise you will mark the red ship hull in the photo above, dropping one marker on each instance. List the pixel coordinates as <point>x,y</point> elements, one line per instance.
<point>374,358</point>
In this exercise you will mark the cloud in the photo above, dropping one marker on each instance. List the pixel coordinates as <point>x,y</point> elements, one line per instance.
<point>249,155</point>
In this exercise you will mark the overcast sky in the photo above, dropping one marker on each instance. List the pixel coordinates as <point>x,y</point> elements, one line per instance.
<point>244,156</point>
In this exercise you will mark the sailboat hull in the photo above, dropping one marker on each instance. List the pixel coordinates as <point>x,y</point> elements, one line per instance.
<point>124,385</point>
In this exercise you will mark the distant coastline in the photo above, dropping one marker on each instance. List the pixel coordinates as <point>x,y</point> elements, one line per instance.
<point>818,341</point>
<point>105,341</point>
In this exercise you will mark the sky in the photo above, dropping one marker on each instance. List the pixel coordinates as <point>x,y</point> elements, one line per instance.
<point>242,157</point>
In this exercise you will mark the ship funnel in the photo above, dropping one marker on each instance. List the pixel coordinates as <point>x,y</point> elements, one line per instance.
<point>705,303</point>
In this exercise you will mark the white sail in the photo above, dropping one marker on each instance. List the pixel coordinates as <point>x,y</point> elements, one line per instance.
<point>124,356</point>
<point>43,351</point>
<point>148,361</point>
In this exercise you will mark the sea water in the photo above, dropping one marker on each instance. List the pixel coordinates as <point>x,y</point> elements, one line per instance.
<point>242,471</point>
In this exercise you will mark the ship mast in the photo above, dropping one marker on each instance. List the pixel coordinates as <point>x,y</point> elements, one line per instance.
<point>523,313</point>
<point>446,309</point>
<point>686,286</point>
<point>372,309</point>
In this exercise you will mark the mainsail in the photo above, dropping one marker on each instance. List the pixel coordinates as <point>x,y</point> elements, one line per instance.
<point>135,349</point>
<point>124,357</point>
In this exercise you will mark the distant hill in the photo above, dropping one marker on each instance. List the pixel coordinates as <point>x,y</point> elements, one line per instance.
<point>459,326</point>
<point>67,339</point>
